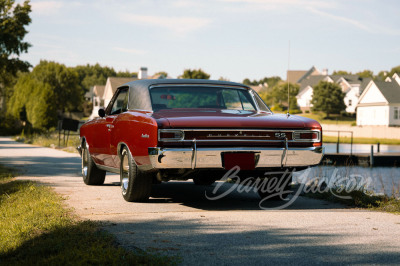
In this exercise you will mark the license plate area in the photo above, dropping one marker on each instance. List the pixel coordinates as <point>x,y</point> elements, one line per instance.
<point>245,160</point>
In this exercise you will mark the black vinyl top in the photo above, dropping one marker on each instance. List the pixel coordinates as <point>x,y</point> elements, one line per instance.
<point>139,96</point>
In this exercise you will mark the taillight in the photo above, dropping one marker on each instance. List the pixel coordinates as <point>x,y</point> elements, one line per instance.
<point>307,136</point>
<point>170,135</point>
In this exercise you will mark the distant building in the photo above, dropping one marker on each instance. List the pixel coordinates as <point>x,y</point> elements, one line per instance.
<point>296,76</point>
<point>101,95</point>
<point>379,104</point>
<point>352,86</point>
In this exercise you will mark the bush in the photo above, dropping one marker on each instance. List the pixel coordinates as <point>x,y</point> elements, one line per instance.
<point>307,111</point>
<point>9,125</point>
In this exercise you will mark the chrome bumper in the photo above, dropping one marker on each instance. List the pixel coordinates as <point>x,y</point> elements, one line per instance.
<point>193,158</point>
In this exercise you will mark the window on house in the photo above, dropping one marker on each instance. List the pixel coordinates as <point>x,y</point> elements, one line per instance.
<point>350,102</point>
<point>396,113</point>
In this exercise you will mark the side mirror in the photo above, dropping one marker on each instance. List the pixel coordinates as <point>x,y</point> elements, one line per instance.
<point>102,112</point>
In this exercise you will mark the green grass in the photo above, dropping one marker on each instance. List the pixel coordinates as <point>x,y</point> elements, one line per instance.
<point>36,229</point>
<point>50,140</point>
<point>360,199</point>
<point>333,139</point>
<point>334,119</point>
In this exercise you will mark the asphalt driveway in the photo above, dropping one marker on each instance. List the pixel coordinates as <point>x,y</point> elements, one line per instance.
<point>179,220</point>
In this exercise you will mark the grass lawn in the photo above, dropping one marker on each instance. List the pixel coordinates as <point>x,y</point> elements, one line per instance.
<point>335,119</point>
<point>332,139</point>
<point>37,229</point>
<point>51,140</point>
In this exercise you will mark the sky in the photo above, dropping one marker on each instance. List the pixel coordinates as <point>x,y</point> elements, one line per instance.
<point>232,39</point>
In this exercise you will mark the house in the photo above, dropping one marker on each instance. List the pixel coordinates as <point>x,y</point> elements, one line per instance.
<point>379,104</point>
<point>306,91</point>
<point>97,93</point>
<point>101,95</point>
<point>296,76</point>
<point>352,86</point>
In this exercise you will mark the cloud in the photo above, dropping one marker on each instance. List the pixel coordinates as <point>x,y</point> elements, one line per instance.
<point>283,4</point>
<point>129,51</point>
<point>365,26</point>
<point>46,7</point>
<point>179,25</point>
<point>353,22</point>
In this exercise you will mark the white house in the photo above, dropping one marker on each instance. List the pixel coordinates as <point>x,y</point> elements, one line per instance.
<point>305,94</point>
<point>379,104</point>
<point>352,86</point>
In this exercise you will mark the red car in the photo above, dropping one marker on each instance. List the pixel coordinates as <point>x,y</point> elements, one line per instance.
<point>157,130</point>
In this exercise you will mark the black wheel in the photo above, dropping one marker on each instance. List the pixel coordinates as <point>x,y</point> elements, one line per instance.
<point>90,173</point>
<point>204,180</point>
<point>277,192</point>
<point>135,184</point>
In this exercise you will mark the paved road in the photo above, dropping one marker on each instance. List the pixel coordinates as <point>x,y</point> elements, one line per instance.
<point>179,220</point>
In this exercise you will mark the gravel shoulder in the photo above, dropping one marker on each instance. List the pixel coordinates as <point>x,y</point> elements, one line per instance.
<point>179,220</point>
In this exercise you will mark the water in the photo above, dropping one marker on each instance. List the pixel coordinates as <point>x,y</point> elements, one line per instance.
<point>379,180</point>
<point>361,148</point>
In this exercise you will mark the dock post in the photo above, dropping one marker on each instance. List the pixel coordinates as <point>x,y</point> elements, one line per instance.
<point>371,157</point>
<point>337,143</point>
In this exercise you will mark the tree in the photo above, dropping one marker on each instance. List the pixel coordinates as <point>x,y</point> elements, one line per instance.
<point>271,81</point>
<point>366,74</point>
<point>194,74</point>
<point>328,97</point>
<point>13,20</point>
<point>277,96</point>
<point>341,72</point>
<point>49,90</point>
<point>90,75</point>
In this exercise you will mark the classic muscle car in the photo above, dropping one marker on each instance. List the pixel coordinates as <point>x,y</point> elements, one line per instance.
<point>157,130</point>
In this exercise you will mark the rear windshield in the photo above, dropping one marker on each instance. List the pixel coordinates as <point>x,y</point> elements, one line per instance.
<point>201,97</point>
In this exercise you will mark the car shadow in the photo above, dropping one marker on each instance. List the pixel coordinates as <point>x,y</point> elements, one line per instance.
<point>225,196</point>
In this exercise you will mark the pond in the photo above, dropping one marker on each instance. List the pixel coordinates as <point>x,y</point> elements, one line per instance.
<point>361,148</point>
<point>380,180</point>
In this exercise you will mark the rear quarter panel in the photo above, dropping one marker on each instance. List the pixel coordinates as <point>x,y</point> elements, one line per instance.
<point>138,131</point>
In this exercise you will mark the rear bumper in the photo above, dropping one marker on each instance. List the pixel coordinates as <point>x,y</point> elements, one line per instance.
<point>194,158</point>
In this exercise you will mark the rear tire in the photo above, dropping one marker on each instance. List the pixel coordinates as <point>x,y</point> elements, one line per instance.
<point>90,173</point>
<point>204,181</point>
<point>135,184</point>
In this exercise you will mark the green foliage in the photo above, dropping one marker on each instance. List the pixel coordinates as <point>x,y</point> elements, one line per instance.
<point>13,20</point>
<point>90,75</point>
<point>194,74</point>
<point>36,229</point>
<point>50,89</point>
<point>341,72</point>
<point>277,96</point>
<point>366,74</point>
<point>328,97</point>
<point>271,81</point>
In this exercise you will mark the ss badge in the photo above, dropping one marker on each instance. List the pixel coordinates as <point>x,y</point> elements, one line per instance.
<point>280,135</point>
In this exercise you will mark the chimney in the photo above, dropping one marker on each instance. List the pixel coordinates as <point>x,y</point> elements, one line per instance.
<point>325,71</point>
<point>143,73</point>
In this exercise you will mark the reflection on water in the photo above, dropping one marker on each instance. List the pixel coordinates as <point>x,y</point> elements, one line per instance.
<point>378,179</point>
<point>360,148</point>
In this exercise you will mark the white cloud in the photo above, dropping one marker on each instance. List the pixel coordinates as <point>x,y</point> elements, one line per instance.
<point>353,22</point>
<point>129,51</point>
<point>179,25</point>
<point>46,7</point>
<point>283,4</point>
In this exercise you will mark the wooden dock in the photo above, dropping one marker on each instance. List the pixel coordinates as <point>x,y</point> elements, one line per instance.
<point>362,159</point>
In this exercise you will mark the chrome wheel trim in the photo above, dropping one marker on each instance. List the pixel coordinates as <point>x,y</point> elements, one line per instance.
<point>124,173</point>
<point>85,155</point>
